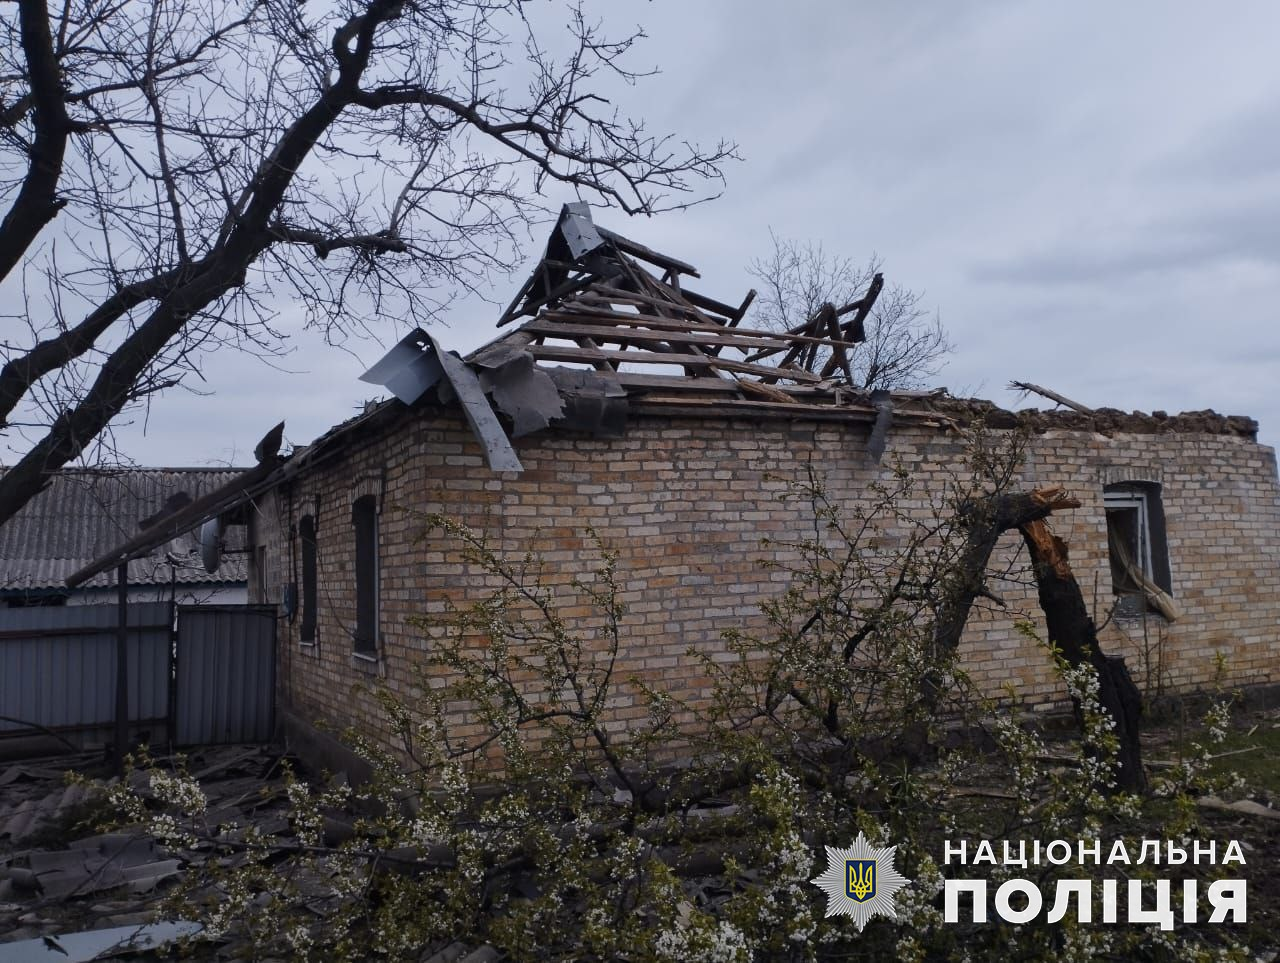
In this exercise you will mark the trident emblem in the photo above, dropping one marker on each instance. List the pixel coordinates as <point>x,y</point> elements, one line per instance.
<point>860,883</point>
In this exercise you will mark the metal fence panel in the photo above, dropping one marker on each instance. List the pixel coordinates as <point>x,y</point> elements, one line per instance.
<point>58,665</point>
<point>226,658</point>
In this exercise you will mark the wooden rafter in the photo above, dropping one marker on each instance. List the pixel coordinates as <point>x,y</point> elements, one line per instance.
<point>600,299</point>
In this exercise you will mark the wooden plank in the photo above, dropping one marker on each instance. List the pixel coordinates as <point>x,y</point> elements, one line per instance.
<point>601,363</point>
<point>809,399</point>
<point>552,352</point>
<point>563,290</point>
<point>767,392</point>
<point>746,405</point>
<point>742,309</point>
<point>508,314</point>
<point>798,345</point>
<point>677,302</point>
<point>838,355</point>
<point>713,349</point>
<point>638,334</point>
<point>635,249</point>
<point>1051,395</point>
<point>855,330</point>
<point>709,304</point>
<point>651,382</point>
<point>702,407</point>
<point>669,305</point>
<point>639,298</point>
<point>575,313</point>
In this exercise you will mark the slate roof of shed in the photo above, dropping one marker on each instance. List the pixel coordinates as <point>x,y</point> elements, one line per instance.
<point>85,512</point>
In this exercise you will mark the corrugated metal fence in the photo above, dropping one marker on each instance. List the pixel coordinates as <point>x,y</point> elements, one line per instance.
<point>58,665</point>
<point>212,680</point>
<point>226,673</point>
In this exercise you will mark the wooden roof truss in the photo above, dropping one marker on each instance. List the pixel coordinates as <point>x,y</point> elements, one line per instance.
<point>599,299</point>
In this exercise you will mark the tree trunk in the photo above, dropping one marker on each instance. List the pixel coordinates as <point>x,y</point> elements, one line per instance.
<point>985,521</point>
<point>1070,627</point>
<point>1073,632</point>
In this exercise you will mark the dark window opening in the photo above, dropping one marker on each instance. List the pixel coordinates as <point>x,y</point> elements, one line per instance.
<point>1138,549</point>
<point>364,516</point>
<point>307,534</point>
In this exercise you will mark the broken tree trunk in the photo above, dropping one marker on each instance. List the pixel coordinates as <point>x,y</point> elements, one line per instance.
<point>1073,632</point>
<point>1070,627</point>
<point>985,521</point>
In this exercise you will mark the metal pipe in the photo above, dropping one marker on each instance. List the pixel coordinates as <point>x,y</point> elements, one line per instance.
<point>122,665</point>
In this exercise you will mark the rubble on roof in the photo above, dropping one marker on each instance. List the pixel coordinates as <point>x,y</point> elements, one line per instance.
<point>605,327</point>
<point>1104,421</point>
<point>594,300</point>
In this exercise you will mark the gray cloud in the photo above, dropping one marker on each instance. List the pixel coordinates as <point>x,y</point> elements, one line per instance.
<point>1090,195</point>
<point>1228,228</point>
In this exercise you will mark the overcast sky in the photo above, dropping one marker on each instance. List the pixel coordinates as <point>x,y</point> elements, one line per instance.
<point>1089,195</point>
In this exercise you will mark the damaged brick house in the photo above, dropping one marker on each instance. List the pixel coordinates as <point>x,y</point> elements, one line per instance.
<point>625,402</point>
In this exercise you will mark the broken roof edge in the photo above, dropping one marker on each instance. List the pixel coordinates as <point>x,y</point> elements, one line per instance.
<point>934,408</point>
<point>946,411</point>
<point>1105,421</point>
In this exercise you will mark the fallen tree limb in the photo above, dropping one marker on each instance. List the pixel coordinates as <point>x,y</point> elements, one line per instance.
<point>1070,627</point>
<point>1072,631</point>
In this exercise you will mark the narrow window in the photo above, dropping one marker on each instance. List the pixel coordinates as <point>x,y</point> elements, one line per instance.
<point>364,516</point>
<point>1138,550</point>
<point>307,534</point>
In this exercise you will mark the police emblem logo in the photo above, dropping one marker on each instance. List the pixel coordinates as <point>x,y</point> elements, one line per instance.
<point>860,881</point>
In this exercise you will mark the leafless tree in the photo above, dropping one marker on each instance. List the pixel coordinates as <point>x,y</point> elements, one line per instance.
<point>176,170</point>
<point>905,344</point>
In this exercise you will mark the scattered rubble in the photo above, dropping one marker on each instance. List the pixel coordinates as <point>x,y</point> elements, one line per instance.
<point>69,892</point>
<point>97,944</point>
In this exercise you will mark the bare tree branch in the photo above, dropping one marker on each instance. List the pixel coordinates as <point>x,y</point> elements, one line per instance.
<point>37,202</point>
<point>904,345</point>
<point>369,159</point>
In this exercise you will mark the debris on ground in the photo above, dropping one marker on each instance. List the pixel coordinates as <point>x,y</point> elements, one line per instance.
<point>71,892</point>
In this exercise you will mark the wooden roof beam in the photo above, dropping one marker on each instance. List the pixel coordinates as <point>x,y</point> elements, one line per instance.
<point>636,249</point>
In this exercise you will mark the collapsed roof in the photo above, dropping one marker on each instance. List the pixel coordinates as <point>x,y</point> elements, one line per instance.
<point>591,289</point>
<point>604,321</point>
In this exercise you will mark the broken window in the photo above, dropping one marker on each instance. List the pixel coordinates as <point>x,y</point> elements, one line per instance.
<point>364,516</point>
<point>1138,550</point>
<point>307,535</point>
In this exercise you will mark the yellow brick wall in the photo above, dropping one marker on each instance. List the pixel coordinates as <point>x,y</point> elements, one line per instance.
<point>687,501</point>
